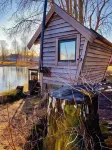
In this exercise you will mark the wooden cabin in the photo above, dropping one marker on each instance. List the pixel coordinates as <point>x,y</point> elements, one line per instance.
<point>72,53</point>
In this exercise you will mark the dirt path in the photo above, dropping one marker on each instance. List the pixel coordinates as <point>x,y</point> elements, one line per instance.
<point>10,110</point>
<point>22,117</point>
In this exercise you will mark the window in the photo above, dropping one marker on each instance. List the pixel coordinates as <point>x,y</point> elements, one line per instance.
<point>67,50</point>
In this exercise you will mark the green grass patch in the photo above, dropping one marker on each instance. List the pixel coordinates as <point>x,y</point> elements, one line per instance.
<point>103,127</point>
<point>10,96</point>
<point>61,129</point>
<point>10,93</point>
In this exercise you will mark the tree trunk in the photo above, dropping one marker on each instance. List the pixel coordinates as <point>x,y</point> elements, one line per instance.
<point>81,12</point>
<point>75,9</point>
<point>67,5</point>
<point>70,8</point>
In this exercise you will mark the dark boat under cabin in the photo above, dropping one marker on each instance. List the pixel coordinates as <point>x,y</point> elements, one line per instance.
<point>72,53</point>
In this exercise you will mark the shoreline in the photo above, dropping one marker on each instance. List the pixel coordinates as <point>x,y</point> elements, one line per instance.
<point>14,66</point>
<point>18,64</point>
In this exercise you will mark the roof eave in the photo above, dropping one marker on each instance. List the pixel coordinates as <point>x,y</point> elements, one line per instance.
<point>105,41</point>
<point>38,32</point>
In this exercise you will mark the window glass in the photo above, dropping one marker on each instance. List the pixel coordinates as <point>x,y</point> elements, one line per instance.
<point>67,50</point>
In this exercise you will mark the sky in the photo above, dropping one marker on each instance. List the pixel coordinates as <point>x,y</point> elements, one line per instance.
<point>7,23</point>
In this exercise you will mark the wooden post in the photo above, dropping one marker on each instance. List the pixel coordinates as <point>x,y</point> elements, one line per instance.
<point>41,82</point>
<point>42,37</point>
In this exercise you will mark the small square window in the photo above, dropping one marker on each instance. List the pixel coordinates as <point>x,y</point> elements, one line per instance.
<point>67,50</point>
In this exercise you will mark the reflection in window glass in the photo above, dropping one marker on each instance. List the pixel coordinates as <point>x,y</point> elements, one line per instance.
<point>67,50</point>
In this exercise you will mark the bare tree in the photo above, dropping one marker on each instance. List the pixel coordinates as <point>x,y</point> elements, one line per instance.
<point>16,48</point>
<point>3,47</point>
<point>26,17</point>
<point>33,53</point>
<point>96,14</point>
<point>24,41</point>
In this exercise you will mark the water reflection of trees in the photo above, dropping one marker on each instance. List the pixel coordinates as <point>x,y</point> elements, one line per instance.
<point>10,77</point>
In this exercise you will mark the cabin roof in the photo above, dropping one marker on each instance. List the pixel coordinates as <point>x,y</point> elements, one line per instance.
<point>89,34</point>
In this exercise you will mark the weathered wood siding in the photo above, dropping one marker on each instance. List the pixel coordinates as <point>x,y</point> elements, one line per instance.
<point>96,62</point>
<point>60,73</point>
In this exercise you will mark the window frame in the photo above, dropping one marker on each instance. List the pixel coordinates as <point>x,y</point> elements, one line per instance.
<point>71,63</point>
<point>59,50</point>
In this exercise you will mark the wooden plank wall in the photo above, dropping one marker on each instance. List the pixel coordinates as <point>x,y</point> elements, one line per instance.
<point>60,73</point>
<point>96,62</point>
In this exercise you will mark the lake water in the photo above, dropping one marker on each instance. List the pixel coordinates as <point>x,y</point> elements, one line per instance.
<point>11,77</point>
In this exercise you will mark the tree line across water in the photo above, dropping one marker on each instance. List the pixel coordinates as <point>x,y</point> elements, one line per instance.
<point>17,52</point>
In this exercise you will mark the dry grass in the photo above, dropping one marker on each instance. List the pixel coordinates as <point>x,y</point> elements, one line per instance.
<point>4,120</point>
<point>24,63</point>
<point>108,141</point>
<point>109,70</point>
<point>17,121</point>
<point>7,63</point>
<point>19,63</point>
